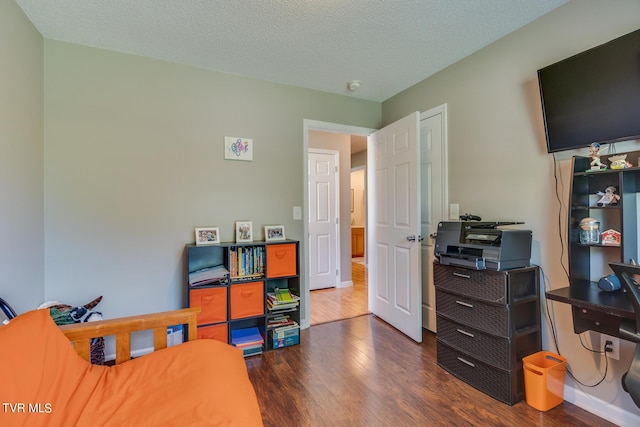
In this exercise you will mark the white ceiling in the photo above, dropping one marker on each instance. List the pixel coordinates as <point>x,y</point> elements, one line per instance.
<point>319,44</point>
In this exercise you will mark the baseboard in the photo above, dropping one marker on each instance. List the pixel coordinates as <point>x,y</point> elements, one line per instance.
<point>346,284</point>
<point>600,408</point>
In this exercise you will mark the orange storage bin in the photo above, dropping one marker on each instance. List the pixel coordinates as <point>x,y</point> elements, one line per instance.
<point>544,379</point>
<point>247,299</point>
<point>215,332</point>
<point>281,260</point>
<point>213,302</point>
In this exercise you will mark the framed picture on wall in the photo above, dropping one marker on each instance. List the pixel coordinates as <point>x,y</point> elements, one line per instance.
<point>207,236</point>
<point>244,231</point>
<point>238,148</point>
<point>273,232</point>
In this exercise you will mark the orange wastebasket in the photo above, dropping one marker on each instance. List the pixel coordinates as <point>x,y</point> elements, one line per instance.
<point>544,379</point>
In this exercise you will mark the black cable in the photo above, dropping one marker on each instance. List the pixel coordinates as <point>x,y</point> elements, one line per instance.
<point>555,342</point>
<point>545,286</point>
<point>555,177</point>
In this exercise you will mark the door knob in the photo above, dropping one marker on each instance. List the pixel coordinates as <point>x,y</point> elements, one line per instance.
<point>433,235</point>
<point>411,238</point>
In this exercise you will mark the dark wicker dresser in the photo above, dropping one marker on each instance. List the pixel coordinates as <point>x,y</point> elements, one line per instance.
<point>487,321</point>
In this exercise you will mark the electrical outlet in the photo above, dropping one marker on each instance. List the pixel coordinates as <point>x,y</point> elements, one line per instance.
<point>611,346</point>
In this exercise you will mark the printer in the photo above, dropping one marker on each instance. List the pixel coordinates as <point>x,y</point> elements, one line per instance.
<point>482,245</point>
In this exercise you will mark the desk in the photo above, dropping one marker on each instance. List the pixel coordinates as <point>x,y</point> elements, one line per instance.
<point>594,309</point>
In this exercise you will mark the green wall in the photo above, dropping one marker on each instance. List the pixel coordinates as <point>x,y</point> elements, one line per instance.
<point>21,160</point>
<point>134,161</point>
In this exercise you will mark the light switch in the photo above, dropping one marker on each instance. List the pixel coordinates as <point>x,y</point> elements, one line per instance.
<point>297,212</point>
<point>454,211</point>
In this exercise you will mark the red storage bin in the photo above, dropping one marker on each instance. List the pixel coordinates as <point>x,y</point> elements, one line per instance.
<point>246,300</point>
<point>213,302</point>
<point>215,332</point>
<point>281,260</point>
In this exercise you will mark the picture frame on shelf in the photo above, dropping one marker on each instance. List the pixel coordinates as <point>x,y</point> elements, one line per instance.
<point>273,233</point>
<point>244,232</point>
<point>207,236</point>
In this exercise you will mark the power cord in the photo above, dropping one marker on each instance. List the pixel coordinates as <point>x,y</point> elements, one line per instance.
<point>555,342</point>
<point>552,326</point>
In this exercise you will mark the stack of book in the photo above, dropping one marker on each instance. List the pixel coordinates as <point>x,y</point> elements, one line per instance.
<point>280,321</point>
<point>285,336</point>
<point>249,340</point>
<point>282,299</point>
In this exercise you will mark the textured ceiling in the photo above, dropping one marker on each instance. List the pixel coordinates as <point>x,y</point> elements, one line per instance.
<point>320,44</point>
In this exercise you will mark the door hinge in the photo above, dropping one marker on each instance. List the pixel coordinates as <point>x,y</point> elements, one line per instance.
<point>335,169</point>
<point>337,272</point>
<point>337,220</point>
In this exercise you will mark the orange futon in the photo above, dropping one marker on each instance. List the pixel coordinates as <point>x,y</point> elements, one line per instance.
<point>43,382</point>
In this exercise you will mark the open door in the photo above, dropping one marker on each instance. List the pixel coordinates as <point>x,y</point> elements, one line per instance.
<point>395,289</point>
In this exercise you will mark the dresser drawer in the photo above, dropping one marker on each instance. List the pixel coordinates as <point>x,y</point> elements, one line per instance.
<point>480,284</point>
<point>489,348</point>
<point>246,300</point>
<point>493,319</point>
<point>504,385</point>
<point>213,302</point>
<point>214,332</point>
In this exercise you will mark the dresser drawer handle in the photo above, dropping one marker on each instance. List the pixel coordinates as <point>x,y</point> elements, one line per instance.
<point>465,304</point>
<point>466,362</point>
<point>464,276</point>
<point>469,334</point>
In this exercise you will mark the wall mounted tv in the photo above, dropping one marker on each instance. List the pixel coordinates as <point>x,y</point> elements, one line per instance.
<point>593,96</point>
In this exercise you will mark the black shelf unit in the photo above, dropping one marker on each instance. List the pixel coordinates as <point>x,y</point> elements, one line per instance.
<point>239,301</point>
<point>592,308</point>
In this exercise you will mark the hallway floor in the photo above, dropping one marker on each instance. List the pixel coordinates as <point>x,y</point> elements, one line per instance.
<point>328,305</point>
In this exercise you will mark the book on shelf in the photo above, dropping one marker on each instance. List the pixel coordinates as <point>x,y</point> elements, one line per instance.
<point>246,261</point>
<point>281,299</point>
<point>278,321</point>
<point>246,337</point>
<point>208,276</point>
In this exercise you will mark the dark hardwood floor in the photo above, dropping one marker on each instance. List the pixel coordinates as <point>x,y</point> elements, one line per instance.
<point>362,372</point>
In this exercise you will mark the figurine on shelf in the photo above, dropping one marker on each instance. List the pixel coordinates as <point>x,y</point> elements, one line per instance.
<point>609,197</point>
<point>594,153</point>
<point>619,162</point>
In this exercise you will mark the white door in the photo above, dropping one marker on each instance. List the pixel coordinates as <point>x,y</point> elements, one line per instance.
<point>395,292</point>
<point>323,218</point>
<point>434,198</point>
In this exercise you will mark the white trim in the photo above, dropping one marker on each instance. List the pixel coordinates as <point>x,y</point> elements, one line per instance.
<point>599,407</point>
<point>347,284</point>
<point>308,125</point>
<point>442,109</point>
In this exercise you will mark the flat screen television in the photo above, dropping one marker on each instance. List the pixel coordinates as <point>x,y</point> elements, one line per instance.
<point>593,96</point>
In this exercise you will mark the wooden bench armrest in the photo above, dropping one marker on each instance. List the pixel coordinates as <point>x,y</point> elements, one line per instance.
<point>81,333</point>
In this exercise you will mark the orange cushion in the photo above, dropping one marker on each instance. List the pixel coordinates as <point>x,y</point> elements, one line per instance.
<point>203,382</point>
<point>39,367</point>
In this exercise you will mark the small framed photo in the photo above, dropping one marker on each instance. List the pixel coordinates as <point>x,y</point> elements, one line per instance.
<point>207,236</point>
<point>244,231</point>
<point>273,232</point>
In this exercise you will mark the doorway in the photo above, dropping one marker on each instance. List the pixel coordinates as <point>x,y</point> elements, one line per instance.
<point>343,137</point>
<point>437,211</point>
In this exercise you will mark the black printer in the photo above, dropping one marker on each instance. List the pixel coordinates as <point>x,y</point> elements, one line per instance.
<point>482,245</point>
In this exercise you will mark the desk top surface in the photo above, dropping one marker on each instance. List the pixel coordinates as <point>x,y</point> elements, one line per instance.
<point>588,295</point>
